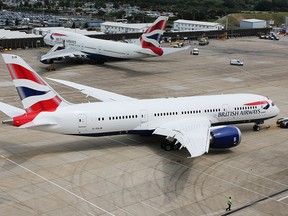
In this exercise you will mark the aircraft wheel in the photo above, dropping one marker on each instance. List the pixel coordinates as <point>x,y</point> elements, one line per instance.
<point>167,147</point>
<point>176,146</point>
<point>256,127</point>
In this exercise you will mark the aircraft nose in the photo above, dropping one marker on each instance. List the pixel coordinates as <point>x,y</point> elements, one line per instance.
<point>277,111</point>
<point>46,38</point>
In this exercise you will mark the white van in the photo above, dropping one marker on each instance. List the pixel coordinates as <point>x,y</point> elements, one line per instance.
<point>195,51</point>
<point>236,62</point>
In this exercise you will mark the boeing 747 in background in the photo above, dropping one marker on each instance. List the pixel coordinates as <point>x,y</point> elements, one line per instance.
<point>70,45</point>
<point>196,123</point>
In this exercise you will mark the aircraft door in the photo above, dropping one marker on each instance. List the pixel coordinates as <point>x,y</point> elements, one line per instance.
<point>82,121</point>
<point>225,109</point>
<point>144,116</point>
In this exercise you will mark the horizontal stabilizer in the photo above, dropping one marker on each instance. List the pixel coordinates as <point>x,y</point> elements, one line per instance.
<point>169,50</point>
<point>10,110</point>
<point>94,92</point>
<point>36,124</point>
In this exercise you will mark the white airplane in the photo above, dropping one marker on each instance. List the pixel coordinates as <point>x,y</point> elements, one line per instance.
<point>191,122</point>
<point>70,45</point>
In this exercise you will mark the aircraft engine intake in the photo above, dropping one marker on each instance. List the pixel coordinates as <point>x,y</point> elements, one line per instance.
<point>224,137</point>
<point>47,61</point>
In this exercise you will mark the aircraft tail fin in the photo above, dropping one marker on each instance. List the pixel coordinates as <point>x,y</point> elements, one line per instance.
<point>35,94</point>
<point>151,38</point>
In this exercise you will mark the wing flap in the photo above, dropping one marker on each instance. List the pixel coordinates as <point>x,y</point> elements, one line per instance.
<point>94,92</point>
<point>192,133</point>
<point>68,52</point>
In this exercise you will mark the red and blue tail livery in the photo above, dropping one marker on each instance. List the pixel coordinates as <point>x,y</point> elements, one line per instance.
<point>152,37</point>
<point>36,95</point>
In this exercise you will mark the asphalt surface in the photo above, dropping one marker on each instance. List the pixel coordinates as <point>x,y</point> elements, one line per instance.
<point>51,174</point>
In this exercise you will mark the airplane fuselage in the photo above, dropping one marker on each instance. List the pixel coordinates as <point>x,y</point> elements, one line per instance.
<point>143,116</point>
<point>99,49</point>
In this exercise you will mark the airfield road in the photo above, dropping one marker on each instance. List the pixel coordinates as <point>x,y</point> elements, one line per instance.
<point>50,174</point>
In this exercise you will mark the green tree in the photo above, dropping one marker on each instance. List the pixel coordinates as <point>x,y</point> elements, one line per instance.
<point>26,4</point>
<point>16,22</point>
<point>264,6</point>
<point>101,13</point>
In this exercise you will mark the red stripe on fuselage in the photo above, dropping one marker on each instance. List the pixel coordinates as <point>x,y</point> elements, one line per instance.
<point>58,34</point>
<point>257,103</point>
<point>19,72</point>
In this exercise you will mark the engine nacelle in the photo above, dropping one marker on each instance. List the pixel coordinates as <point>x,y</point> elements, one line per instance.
<point>48,61</point>
<point>224,137</point>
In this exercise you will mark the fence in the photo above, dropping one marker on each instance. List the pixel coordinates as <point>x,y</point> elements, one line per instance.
<point>25,43</point>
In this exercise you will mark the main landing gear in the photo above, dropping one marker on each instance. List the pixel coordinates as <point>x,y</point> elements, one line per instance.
<point>168,145</point>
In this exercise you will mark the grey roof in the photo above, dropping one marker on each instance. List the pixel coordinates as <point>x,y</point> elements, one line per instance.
<point>7,34</point>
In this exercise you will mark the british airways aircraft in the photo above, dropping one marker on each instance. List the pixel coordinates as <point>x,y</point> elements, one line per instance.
<point>197,122</point>
<point>70,45</point>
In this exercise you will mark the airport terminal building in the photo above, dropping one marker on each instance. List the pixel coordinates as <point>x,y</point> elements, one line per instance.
<point>119,27</point>
<point>192,25</point>
<point>253,23</point>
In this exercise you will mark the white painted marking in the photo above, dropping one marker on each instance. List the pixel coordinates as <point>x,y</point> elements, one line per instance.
<point>81,198</point>
<point>155,208</point>
<point>282,198</point>
<point>133,140</point>
<point>244,171</point>
<point>231,79</point>
<point>117,141</point>
<point>174,87</point>
<point>5,84</point>
<point>125,211</point>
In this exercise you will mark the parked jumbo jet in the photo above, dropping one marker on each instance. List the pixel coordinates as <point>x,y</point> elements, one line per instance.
<point>196,123</point>
<point>69,45</point>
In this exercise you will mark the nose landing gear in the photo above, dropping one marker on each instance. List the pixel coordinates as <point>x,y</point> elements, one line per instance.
<point>257,126</point>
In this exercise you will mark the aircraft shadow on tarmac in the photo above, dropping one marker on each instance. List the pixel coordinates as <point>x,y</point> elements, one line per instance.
<point>66,63</point>
<point>178,170</point>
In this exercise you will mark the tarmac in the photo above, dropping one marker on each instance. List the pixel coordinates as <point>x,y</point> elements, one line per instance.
<point>56,175</point>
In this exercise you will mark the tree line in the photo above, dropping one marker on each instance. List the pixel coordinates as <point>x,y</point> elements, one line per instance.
<point>184,9</point>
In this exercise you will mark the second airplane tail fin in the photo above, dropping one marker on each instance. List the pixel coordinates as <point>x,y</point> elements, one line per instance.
<point>151,38</point>
<point>36,95</point>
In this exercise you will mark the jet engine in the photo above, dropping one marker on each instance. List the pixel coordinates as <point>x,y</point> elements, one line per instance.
<point>47,61</point>
<point>224,137</point>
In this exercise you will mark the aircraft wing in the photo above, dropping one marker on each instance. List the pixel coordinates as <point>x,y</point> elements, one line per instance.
<point>11,111</point>
<point>94,92</point>
<point>67,52</point>
<point>192,133</point>
<point>168,50</point>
